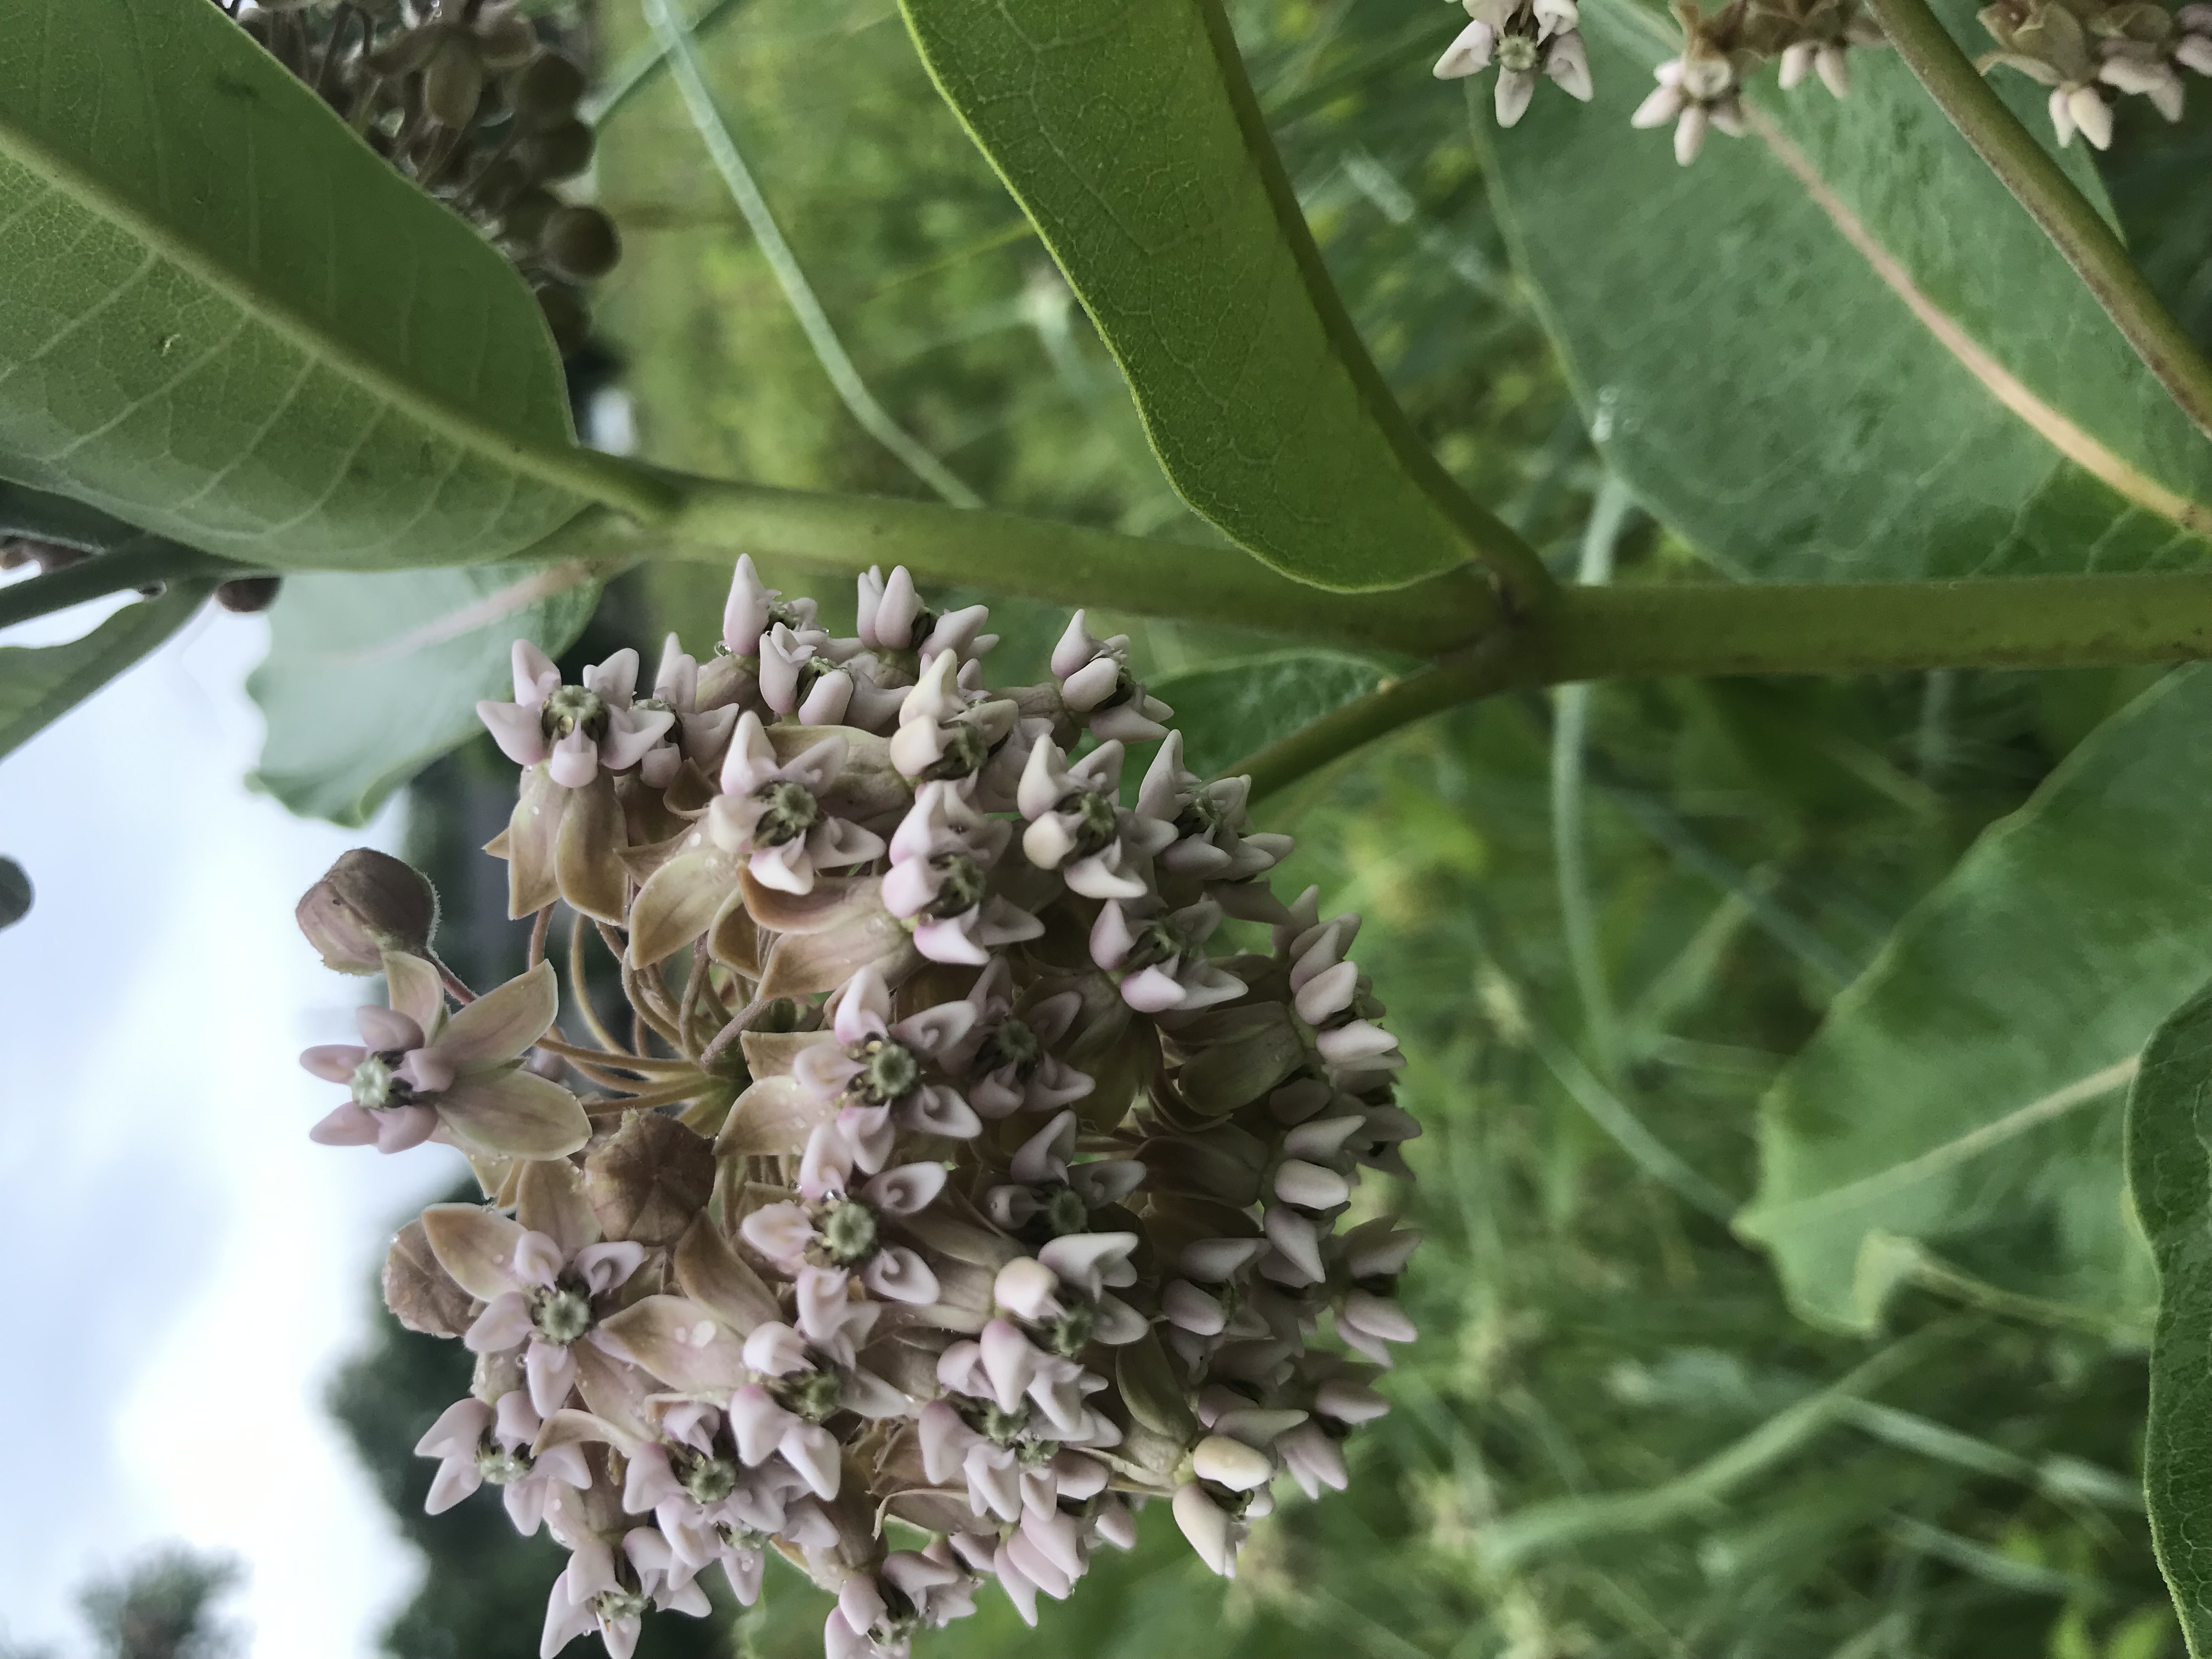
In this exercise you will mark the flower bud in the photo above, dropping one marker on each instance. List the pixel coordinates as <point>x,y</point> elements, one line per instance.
<point>370,903</point>
<point>1232,1463</point>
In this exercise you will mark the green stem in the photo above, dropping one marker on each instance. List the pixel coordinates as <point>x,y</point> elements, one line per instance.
<point>1004,553</point>
<point>647,65</point>
<point>2043,188</point>
<point>783,264</point>
<point>141,564</point>
<point>1631,633</point>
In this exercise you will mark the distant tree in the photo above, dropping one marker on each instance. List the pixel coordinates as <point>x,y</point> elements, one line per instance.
<point>161,1608</point>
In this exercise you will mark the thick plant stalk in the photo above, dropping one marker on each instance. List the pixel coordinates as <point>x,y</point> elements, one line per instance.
<point>1617,632</point>
<point>2042,187</point>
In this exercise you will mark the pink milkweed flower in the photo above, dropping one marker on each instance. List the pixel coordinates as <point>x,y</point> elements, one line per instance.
<point>753,607</point>
<point>539,1296</point>
<point>892,617</point>
<point>770,812</point>
<point>1096,687</point>
<point>841,1223</point>
<point>700,733</point>
<point>878,1068</point>
<point>421,1075</point>
<point>478,1444</point>
<point>575,732</point>
<point>942,854</point>
<point>600,1591</point>
<point>1077,827</point>
<point>1163,959</point>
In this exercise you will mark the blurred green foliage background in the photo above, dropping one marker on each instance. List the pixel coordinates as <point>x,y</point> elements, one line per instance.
<point>1614,1440</point>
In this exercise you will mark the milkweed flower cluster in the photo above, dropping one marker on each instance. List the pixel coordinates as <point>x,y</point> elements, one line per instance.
<point>990,1158</point>
<point>1700,89</point>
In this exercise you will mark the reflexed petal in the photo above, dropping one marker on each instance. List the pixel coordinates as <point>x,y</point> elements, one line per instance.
<point>532,833</point>
<point>680,1342</point>
<point>500,1025</point>
<point>679,902</point>
<point>514,1113</point>
<point>900,1275</point>
<point>476,1246</point>
<point>388,1031</point>
<point>400,1129</point>
<point>550,1373</point>
<point>590,876</point>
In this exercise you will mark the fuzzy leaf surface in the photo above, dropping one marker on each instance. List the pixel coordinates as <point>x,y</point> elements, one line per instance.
<point>1837,348</point>
<point>1228,712</point>
<point>1963,1096</point>
<point>1128,132</point>
<point>226,321</point>
<point>2170,1177</point>
<point>371,677</point>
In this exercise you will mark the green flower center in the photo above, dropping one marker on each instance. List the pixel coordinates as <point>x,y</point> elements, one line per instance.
<point>788,811</point>
<point>573,707</point>
<point>1070,1333</point>
<point>888,1070</point>
<point>1517,53</point>
<point>1096,825</point>
<point>965,752</point>
<point>1011,1044</point>
<point>847,1229</point>
<point>1201,817</point>
<point>962,888</point>
<point>705,1479</point>
<point>374,1085</point>
<point>560,1314</point>
<point>1158,941</point>
<point>498,1465</point>
<point>812,1395</point>
<point>616,1605</point>
<point>1065,1213</point>
<point>1003,1426</point>
<point>812,671</point>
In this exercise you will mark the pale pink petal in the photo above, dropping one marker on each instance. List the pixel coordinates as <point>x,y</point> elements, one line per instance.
<point>333,1062</point>
<point>504,1323</point>
<point>348,1126</point>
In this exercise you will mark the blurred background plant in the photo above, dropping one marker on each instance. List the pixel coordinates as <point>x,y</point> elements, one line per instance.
<point>1604,921</point>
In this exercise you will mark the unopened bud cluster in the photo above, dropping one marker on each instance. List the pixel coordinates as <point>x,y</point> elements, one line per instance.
<point>1700,90</point>
<point>984,1160</point>
<point>467,99</point>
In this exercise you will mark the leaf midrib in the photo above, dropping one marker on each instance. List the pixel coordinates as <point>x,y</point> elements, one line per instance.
<point>570,468</point>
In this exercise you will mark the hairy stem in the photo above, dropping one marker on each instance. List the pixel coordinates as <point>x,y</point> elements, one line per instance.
<point>1630,633</point>
<point>2043,188</point>
<point>145,563</point>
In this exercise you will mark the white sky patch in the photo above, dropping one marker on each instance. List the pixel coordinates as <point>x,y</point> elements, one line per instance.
<point>188,1269</point>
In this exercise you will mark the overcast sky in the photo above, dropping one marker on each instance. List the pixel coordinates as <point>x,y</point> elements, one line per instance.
<point>185,1268</point>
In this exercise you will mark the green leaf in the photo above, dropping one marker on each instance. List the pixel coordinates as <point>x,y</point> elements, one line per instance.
<point>370,678</point>
<point>228,321</point>
<point>2170,1176</point>
<point>1227,712</point>
<point>1128,132</point>
<point>40,683</point>
<point>1785,352</point>
<point>1959,1109</point>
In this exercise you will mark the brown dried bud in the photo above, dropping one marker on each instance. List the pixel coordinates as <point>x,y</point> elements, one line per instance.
<point>422,1295</point>
<point>579,242</point>
<point>244,595</point>
<point>15,893</point>
<point>544,91</point>
<point>368,903</point>
<point>649,1179</point>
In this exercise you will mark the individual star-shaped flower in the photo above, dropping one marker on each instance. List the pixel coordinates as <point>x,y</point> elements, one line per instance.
<point>421,1075</point>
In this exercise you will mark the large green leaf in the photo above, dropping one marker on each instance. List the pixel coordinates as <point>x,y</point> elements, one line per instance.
<point>2170,1176</point>
<point>226,320</point>
<point>371,677</point>
<point>1962,1097</point>
<point>40,683</point>
<point>1837,347</point>
<point>1128,132</point>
